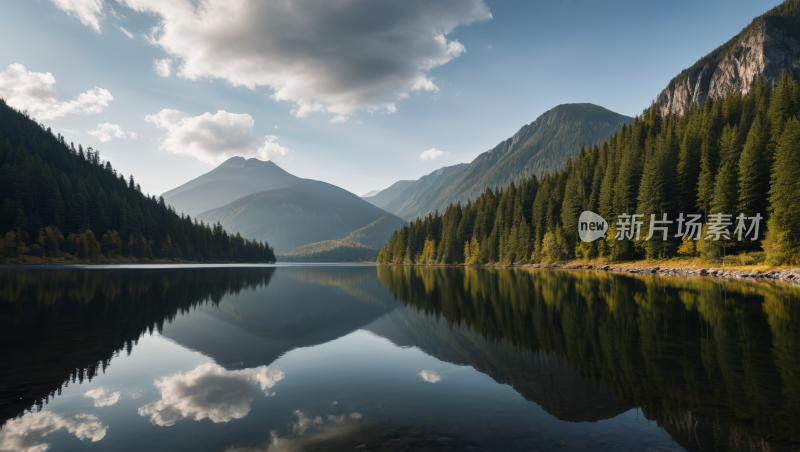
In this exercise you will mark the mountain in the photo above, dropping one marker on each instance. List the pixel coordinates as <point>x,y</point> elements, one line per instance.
<point>259,199</point>
<point>539,147</point>
<point>361,245</point>
<point>289,218</point>
<point>382,197</point>
<point>231,180</point>
<point>415,199</point>
<point>769,44</point>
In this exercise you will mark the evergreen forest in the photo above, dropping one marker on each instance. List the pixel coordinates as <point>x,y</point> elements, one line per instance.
<point>59,201</point>
<point>737,155</point>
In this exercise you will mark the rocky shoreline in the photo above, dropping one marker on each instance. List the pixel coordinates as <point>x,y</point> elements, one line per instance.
<point>789,275</point>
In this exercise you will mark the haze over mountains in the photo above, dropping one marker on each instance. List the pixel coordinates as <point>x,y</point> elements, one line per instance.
<point>536,148</point>
<point>308,220</point>
<point>262,201</point>
<point>382,197</point>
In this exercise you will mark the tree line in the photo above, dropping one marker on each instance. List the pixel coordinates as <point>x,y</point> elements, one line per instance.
<point>58,200</point>
<point>737,155</point>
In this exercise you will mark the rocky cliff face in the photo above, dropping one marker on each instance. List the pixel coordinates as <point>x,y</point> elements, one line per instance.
<point>763,49</point>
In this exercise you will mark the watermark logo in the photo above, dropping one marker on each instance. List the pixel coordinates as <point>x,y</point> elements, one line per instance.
<point>591,226</point>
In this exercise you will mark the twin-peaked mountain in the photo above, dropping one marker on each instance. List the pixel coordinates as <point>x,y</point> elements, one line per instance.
<point>262,201</point>
<point>539,147</point>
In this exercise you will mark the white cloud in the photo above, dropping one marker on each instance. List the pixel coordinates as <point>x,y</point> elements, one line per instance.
<point>208,391</point>
<point>106,132</point>
<point>429,375</point>
<point>89,12</point>
<point>163,67</point>
<point>214,138</point>
<point>127,33</point>
<point>489,47</point>
<point>103,397</point>
<point>26,434</point>
<point>339,119</point>
<point>430,154</point>
<point>34,91</point>
<point>337,57</point>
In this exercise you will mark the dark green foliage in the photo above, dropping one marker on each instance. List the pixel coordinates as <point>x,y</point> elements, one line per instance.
<point>720,157</point>
<point>54,198</point>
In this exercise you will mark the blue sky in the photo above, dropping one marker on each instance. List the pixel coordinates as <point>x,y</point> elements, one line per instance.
<point>350,92</point>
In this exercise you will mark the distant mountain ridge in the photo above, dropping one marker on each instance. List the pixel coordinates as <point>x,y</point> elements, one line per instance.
<point>382,197</point>
<point>231,180</point>
<point>769,44</point>
<point>262,201</point>
<point>539,147</point>
<point>421,194</point>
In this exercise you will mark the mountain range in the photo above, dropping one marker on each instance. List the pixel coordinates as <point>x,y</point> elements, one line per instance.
<point>307,220</point>
<point>261,201</point>
<point>536,148</point>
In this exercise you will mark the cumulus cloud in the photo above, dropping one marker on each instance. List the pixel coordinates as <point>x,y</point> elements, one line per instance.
<point>103,397</point>
<point>105,132</point>
<point>337,57</point>
<point>26,434</point>
<point>126,32</point>
<point>208,391</point>
<point>163,67</point>
<point>214,138</point>
<point>430,154</point>
<point>89,12</point>
<point>34,91</point>
<point>429,376</point>
<point>339,119</point>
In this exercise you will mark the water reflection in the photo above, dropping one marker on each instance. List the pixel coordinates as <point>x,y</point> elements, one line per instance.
<point>64,325</point>
<point>27,434</point>
<point>103,397</point>
<point>208,391</point>
<point>713,363</point>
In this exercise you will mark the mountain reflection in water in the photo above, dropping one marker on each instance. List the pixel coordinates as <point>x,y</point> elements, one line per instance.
<point>713,363</point>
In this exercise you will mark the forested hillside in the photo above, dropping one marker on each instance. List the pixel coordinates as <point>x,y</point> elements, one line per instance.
<point>739,154</point>
<point>60,201</point>
<point>536,148</point>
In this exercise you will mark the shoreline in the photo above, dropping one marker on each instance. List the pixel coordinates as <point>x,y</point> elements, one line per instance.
<point>788,275</point>
<point>783,275</point>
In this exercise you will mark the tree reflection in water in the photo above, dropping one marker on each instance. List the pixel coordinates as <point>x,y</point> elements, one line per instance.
<point>713,362</point>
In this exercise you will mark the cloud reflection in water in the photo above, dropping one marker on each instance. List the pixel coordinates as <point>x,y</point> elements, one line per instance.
<point>430,376</point>
<point>208,391</point>
<point>103,397</point>
<point>26,434</point>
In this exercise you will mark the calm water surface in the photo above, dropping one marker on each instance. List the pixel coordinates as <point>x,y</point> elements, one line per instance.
<point>330,358</point>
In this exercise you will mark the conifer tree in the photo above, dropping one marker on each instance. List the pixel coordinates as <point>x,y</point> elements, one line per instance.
<point>784,223</point>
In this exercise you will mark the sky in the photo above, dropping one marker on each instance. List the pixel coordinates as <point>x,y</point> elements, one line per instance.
<point>357,93</point>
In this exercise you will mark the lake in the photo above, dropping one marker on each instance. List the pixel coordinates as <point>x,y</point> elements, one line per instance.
<point>373,358</point>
